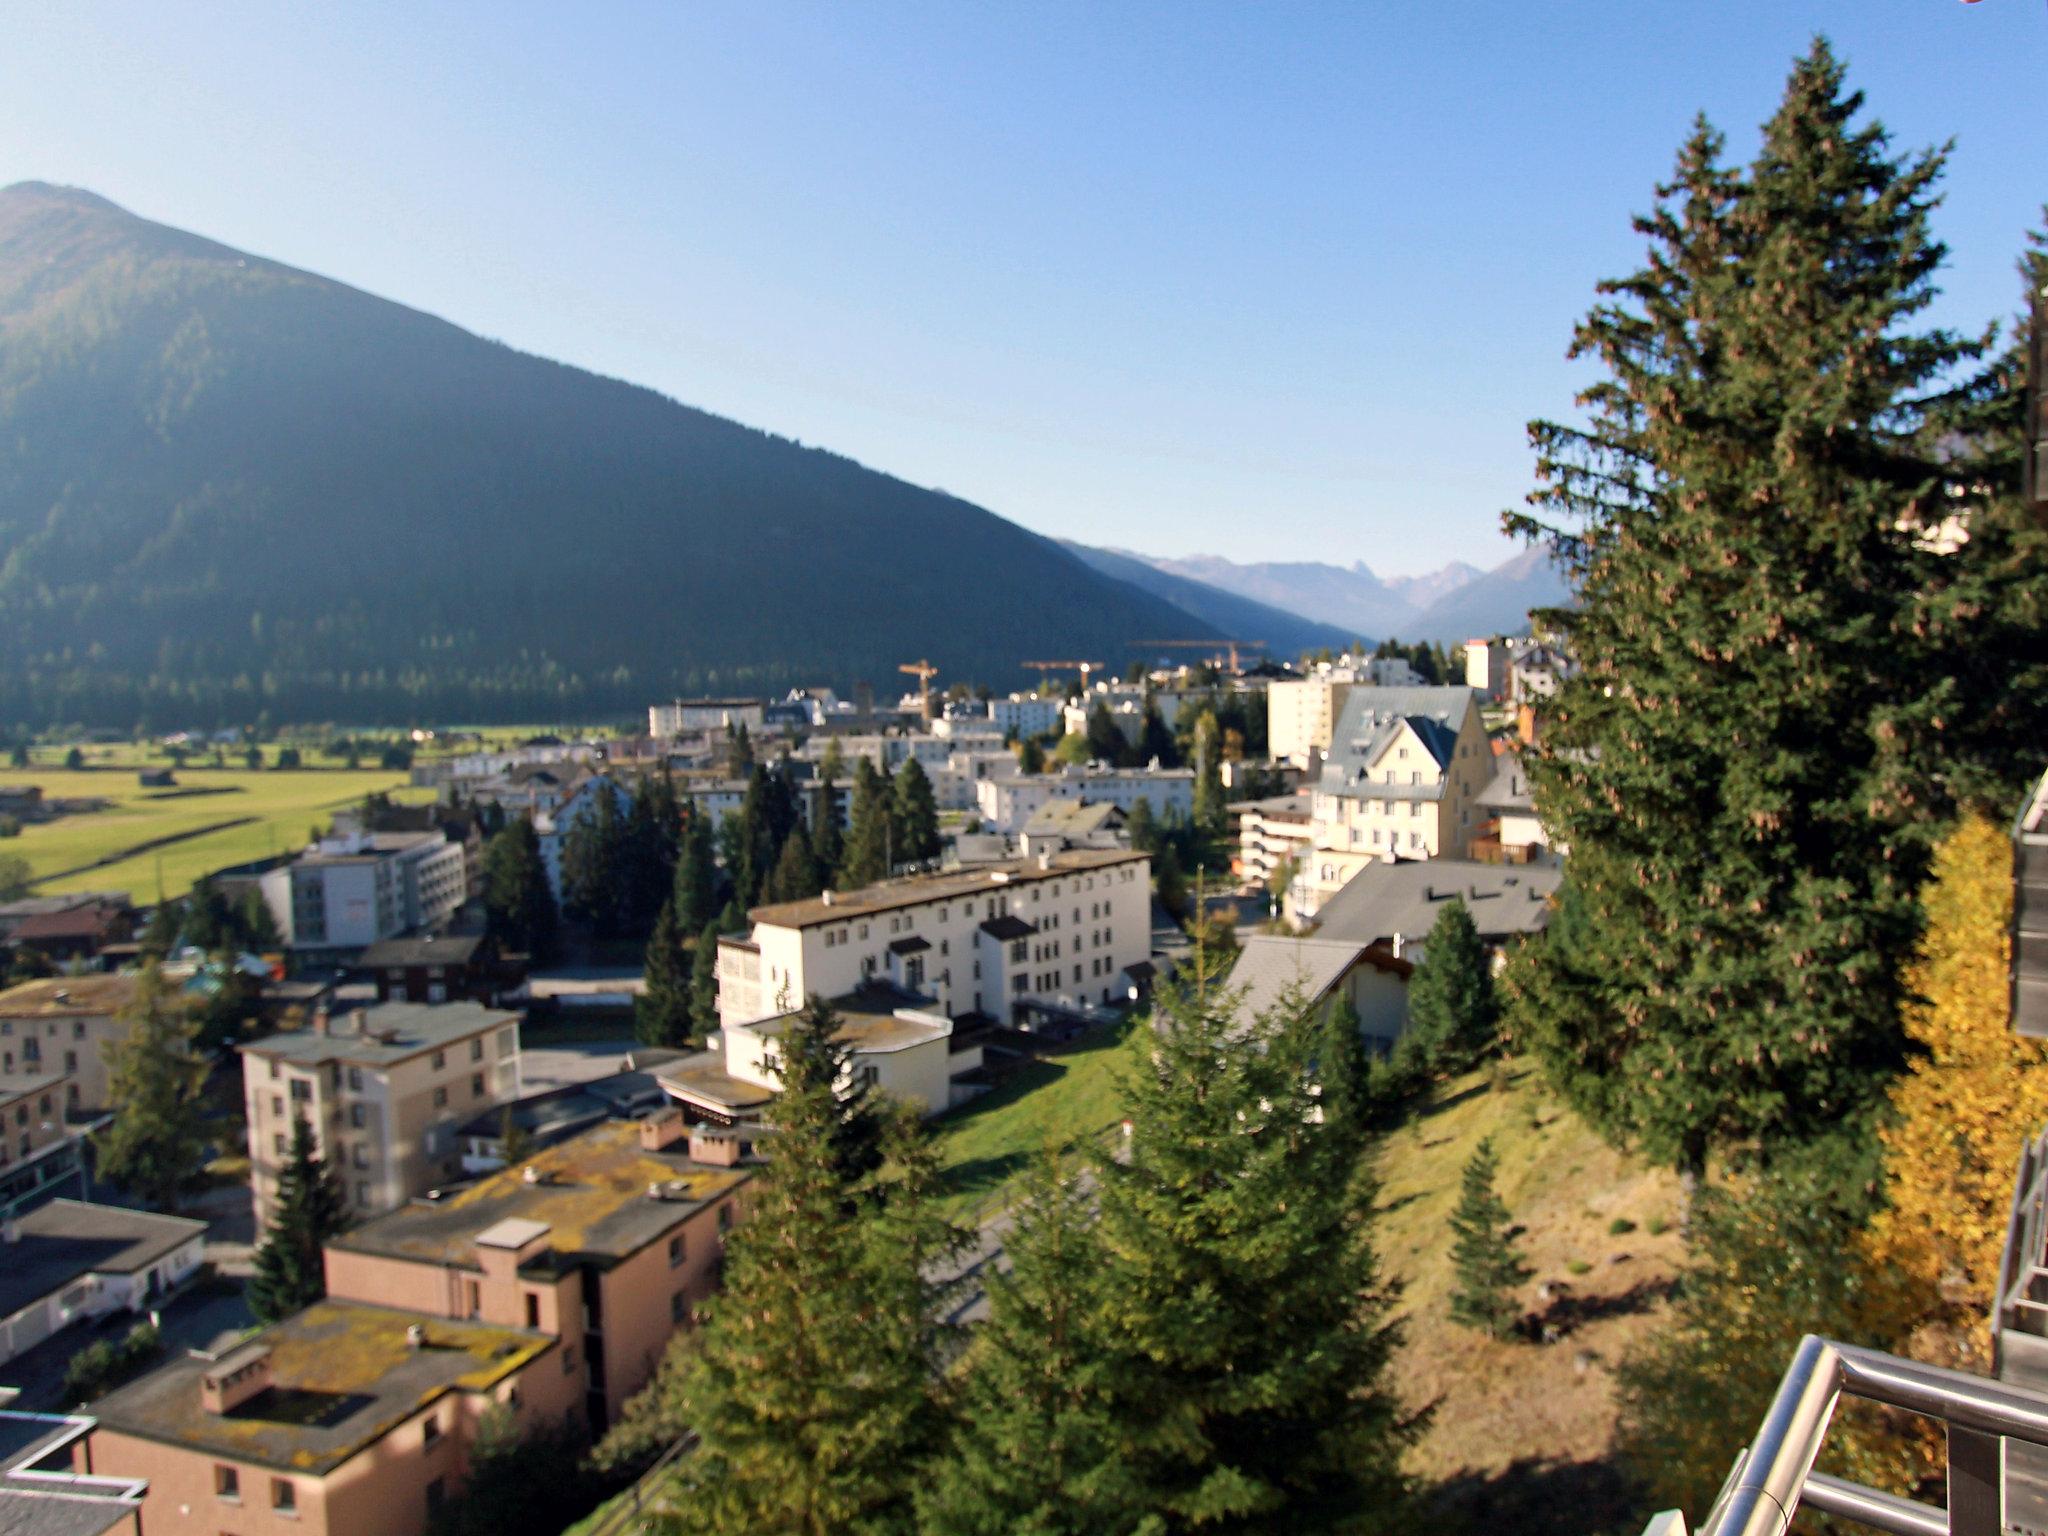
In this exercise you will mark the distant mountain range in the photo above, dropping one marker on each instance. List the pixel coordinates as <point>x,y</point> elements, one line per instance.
<point>231,488</point>
<point>1284,634</point>
<point>1450,605</point>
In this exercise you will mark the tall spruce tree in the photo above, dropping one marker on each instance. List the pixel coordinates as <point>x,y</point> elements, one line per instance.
<point>1453,1016</point>
<point>593,865</point>
<point>1744,767</point>
<point>870,840</point>
<point>519,905</point>
<point>916,815</point>
<point>812,1382</point>
<point>1040,1444</point>
<point>1242,1301</point>
<point>695,890</point>
<point>795,876</point>
<point>1211,806</point>
<point>289,1270</point>
<point>1483,1249</point>
<point>661,1013</point>
<point>704,981</point>
<point>827,846</point>
<point>156,1144</point>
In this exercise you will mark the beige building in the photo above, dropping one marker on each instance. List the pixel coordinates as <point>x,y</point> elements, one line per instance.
<point>1300,717</point>
<point>607,1242</point>
<point>1402,782</point>
<point>385,1090</point>
<point>1057,932</point>
<point>62,1024</point>
<point>1270,833</point>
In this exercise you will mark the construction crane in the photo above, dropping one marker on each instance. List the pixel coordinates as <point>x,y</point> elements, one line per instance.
<point>1085,668</point>
<point>1208,645</point>
<point>924,672</point>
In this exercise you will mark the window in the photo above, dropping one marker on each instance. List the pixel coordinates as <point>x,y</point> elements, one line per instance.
<point>362,1192</point>
<point>227,1483</point>
<point>362,1155</point>
<point>284,1496</point>
<point>533,1309</point>
<point>430,1428</point>
<point>358,1116</point>
<point>476,1085</point>
<point>675,1250</point>
<point>440,1060</point>
<point>678,1307</point>
<point>440,1098</point>
<point>273,1067</point>
<point>78,1029</point>
<point>476,1049</point>
<point>437,1492</point>
<point>277,1143</point>
<point>71,1061</point>
<point>355,1079</point>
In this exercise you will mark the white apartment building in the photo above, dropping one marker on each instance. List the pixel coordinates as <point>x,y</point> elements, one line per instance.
<point>1027,714</point>
<point>385,1089</point>
<point>350,892</point>
<point>890,752</point>
<point>1300,717</point>
<point>1403,779</point>
<point>1007,803</point>
<point>1061,931</point>
<point>552,827</point>
<point>686,717</point>
<point>1269,833</point>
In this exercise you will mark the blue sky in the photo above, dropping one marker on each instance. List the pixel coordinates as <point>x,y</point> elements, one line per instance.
<point>1272,281</point>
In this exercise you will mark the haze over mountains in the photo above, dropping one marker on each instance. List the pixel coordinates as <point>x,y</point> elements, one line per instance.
<point>230,487</point>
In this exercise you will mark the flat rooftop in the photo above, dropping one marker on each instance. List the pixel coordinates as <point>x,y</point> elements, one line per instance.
<point>703,1080</point>
<point>870,1019</point>
<point>915,890</point>
<point>59,1242</point>
<point>73,996</point>
<point>591,1194</point>
<point>381,1035</point>
<point>343,1376</point>
<point>53,1500</point>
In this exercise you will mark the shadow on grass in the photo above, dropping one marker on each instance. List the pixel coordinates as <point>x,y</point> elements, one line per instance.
<point>1540,1498</point>
<point>1569,1313</point>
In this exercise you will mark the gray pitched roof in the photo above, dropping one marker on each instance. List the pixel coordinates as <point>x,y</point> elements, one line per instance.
<point>65,1239</point>
<point>1509,789</point>
<point>1372,717</point>
<point>1270,963</point>
<point>1385,900</point>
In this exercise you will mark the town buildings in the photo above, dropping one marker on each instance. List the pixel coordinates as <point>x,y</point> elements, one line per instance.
<point>1273,835</point>
<point>684,717</point>
<point>62,1024</point>
<point>1402,781</point>
<point>46,1487</point>
<point>1008,802</point>
<point>1274,969</point>
<point>41,1156</point>
<point>1394,906</point>
<point>436,969</point>
<point>1300,717</point>
<point>1512,832</point>
<point>385,1091</point>
<point>346,893</point>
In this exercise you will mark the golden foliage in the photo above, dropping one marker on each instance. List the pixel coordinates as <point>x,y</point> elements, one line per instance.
<point>1963,1110</point>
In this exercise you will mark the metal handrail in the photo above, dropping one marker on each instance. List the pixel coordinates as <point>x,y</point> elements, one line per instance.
<point>1775,1475</point>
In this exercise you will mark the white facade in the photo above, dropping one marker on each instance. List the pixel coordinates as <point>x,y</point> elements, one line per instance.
<point>350,892</point>
<point>1061,930</point>
<point>1027,714</point>
<point>1007,803</point>
<point>1300,717</point>
<point>684,717</point>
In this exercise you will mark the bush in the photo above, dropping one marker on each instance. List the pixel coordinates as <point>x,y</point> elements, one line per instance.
<point>102,1366</point>
<point>1657,1226</point>
<point>1620,1227</point>
<point>1578,1267</point>
<point>10,826</point>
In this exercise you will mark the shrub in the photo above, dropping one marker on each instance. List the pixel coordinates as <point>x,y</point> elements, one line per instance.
<point>102,1366</point>
<point>1620,1227</point>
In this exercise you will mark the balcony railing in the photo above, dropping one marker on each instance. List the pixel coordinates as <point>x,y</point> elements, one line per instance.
<point>1988,1492</point>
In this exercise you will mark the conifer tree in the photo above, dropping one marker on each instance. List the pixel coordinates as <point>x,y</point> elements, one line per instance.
<point>1211,808</point>
<point>1040,1443</point>
<point>257,924</point>
<point>1453,1018</point>
<point>519,905</point>
<point>1242,1301</point>
<point>1106,743</point>
<point>1142,827</point>
<point>1168,881</point>
<point>1767,729</point>
<point>704,982</point>
<point>1155,741</point>
<point>155,1147</point>
<point>811,1384</point>
<point>661,1013</point>
<point>916,815</point>
<point>827,846</point>
<point>160,933</point>
<point>515,1142</point>
<point>289,1271</point>
<point>695,891</point>
<point>795,876</point>
<point>593,864</point>
<point>1483,1250</point>
<point>739,751</point>
<point>1030,755</point>
<point>870,839</point>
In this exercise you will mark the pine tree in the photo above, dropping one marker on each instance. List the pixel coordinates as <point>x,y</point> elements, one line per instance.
<point>1141,827</point>
<point>739,751</point>
<point>1155,741</point>
<point>916,816</point>
<point>695,891</point>
<point>812,1382</point>
<point>1745,768</point>
<point>795,876</point>
<point>160,933</point>
<point>519,905</point>
<point>257,925</point>
<point>593,865</point>
<point>870,839</point>
<point>1030,756</point>
<point>1106,743</point>
<point>1483,1250</point>
<point>515,1142</point>
<point>1168,882</point>
<point>155,1147</point>
<point>647,852</point>
<point>661,1014</point>
<point>1453,1018</point>
<point>289,1271</point>
<point>1242,1303</point>
<point>1212,809</point>
<point>704,982</point>
<point>1040,1443</point>
<point>827,847</point>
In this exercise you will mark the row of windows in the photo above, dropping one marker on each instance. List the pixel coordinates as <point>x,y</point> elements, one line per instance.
<point>906,922</point>
<point>29,1030</point>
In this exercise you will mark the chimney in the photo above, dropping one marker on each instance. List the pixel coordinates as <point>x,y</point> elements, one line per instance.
<point>415,1336</point>
<point>662,1130</point>
<point>719,1149</point>
<point>320,1020</point>
<point>234,1378</point>
<point>825,896</point>
<point>531,1174</point>
<point>359,1020</point>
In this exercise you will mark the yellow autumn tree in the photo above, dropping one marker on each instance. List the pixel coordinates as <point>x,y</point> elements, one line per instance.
<point>1962,1111</point>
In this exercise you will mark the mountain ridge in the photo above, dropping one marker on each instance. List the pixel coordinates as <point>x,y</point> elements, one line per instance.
<point>229,486</point>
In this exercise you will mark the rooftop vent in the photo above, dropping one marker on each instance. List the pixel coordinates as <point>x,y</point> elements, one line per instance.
<point>532,1175</point>
<point>662,1129</point>
<point>415,1336</point>
<point>669,1190</point>
<point>234,1378</point>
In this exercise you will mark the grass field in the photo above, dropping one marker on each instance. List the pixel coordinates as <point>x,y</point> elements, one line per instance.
<point>275,809</point>
<point>985,1145</point>
<point>1521,1430</point>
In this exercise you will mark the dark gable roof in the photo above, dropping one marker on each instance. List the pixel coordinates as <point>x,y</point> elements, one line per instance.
<point>393,954</point>
<point>1006,928</point>
<point>910,946</point>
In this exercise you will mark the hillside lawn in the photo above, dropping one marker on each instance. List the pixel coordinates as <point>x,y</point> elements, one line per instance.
<point>281,807</point>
